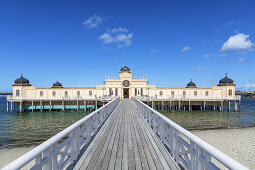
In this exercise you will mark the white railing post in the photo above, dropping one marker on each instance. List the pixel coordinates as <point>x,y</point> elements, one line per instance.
<point>192,155</point>
<point>48,155</point>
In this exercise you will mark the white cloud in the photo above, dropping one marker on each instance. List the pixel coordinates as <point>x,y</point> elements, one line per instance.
<point>153,50</point>
<point>122,39</point>
<point>118,30</point>
<point>93,21</point>
<point>241,60</point>
<point>238,42</point>
<point>201,69</point>
<point>207,55</point>
<point>187,48</point>
<point>222,55</point>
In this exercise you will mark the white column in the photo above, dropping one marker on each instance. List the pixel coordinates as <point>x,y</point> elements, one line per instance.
<point>32,106</point>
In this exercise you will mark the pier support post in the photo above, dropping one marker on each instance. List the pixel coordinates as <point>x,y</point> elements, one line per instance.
<point>170,107</point>
<point>163,109</point>
<point>20,107</point>
<point>50,105</point>
<point>63,106</point>
<point>204,105</point>
<point>41,106</point>
<point>189,106</point>
<point>229,106</point>
<point>77,106</point>
<point>179,105</point>
<point>235,106</point>
<point>85,106</point>
<point>32,106</point>
<point>152,104</point>
<point>11,106</point>
<point>221,106</point>
<point>7,105</point>
<point>239,106</point>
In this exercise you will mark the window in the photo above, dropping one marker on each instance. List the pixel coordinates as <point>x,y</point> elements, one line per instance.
<point>17,92</point>
<point>230,92</point>
<point>135,91</point>
<point>110,91</point>
<point>184,93</point>
<point>54,93</point>
<point>161,93</point>
<point>66,93</point>
<point>90,93</point>
<point>41,93</point>
<point>78,93</point>
<point>141,91</point>
<point>116,92</point>
<point>172,93</point>
<point>195,93</point>
<point>206,93</point>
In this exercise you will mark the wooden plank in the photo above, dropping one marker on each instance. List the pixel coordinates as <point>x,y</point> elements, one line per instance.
<point>115,145</point>
<point>131,160</point>
<point>138,164</point>
<point>143,158</point>
<point>163,154</point>
<point>125,143</point>
<point>146,147</point>
<point>94,155</point>
<point>102,153</point>
<point>94,142</point>
<point>110,146</point>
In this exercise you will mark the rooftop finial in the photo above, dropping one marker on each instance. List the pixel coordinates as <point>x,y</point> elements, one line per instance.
<point>226,74</point>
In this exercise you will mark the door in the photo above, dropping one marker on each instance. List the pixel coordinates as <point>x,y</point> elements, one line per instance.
<point>126,93</point>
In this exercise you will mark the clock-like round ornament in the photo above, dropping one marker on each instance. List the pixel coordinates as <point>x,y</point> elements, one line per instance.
<point>125,83</point>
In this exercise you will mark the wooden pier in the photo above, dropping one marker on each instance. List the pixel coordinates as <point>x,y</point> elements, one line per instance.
<point>124,134</point>
<point>126,142</point>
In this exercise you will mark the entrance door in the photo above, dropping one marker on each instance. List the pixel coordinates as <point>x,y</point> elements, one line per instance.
<point>126,93</point>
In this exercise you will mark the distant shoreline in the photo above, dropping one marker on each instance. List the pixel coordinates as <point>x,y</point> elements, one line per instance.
<point>246,94</point>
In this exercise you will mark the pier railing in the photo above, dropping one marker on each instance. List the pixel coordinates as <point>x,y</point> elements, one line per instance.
<point>187,97</point>
<point>63,149</point>
<point>103,98</point>
<point>187,150</point>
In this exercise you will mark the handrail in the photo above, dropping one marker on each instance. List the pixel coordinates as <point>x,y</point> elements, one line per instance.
<point>63,149</point>
<point>171,134</point>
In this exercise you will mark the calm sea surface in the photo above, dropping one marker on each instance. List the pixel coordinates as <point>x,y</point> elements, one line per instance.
<point>26,129</point>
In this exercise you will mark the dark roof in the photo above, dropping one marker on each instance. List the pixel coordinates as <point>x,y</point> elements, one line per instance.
<point>226,80</point>
<point>21,80</point>
<point>125,68</point>
<point>191,84</point>
<point>57,84</point>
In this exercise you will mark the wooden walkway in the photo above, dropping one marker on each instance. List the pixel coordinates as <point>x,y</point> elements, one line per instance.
<point>126,142</point>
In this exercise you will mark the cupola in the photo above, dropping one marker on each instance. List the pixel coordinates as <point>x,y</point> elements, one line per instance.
<point>125,68</point>
<point>22,81</point>
<point>226,81</point>
<point>191,84</point>
<point>57,85</point>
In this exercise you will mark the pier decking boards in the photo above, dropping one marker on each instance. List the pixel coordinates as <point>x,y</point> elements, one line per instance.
<point>126,142</point>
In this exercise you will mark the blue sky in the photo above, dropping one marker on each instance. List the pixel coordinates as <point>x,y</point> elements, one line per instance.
<point>78,42</point>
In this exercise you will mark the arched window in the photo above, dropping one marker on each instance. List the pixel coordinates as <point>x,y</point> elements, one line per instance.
<point>230,92</point>
<point>206,93</point>
<point>90,93</point>
<point>41,93</point>
<point>17,92</point>
<point>195,93</point>
<point>66,93</point>
<point>78,93</point>
<point>116,92</point>
<point>54,93</point>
